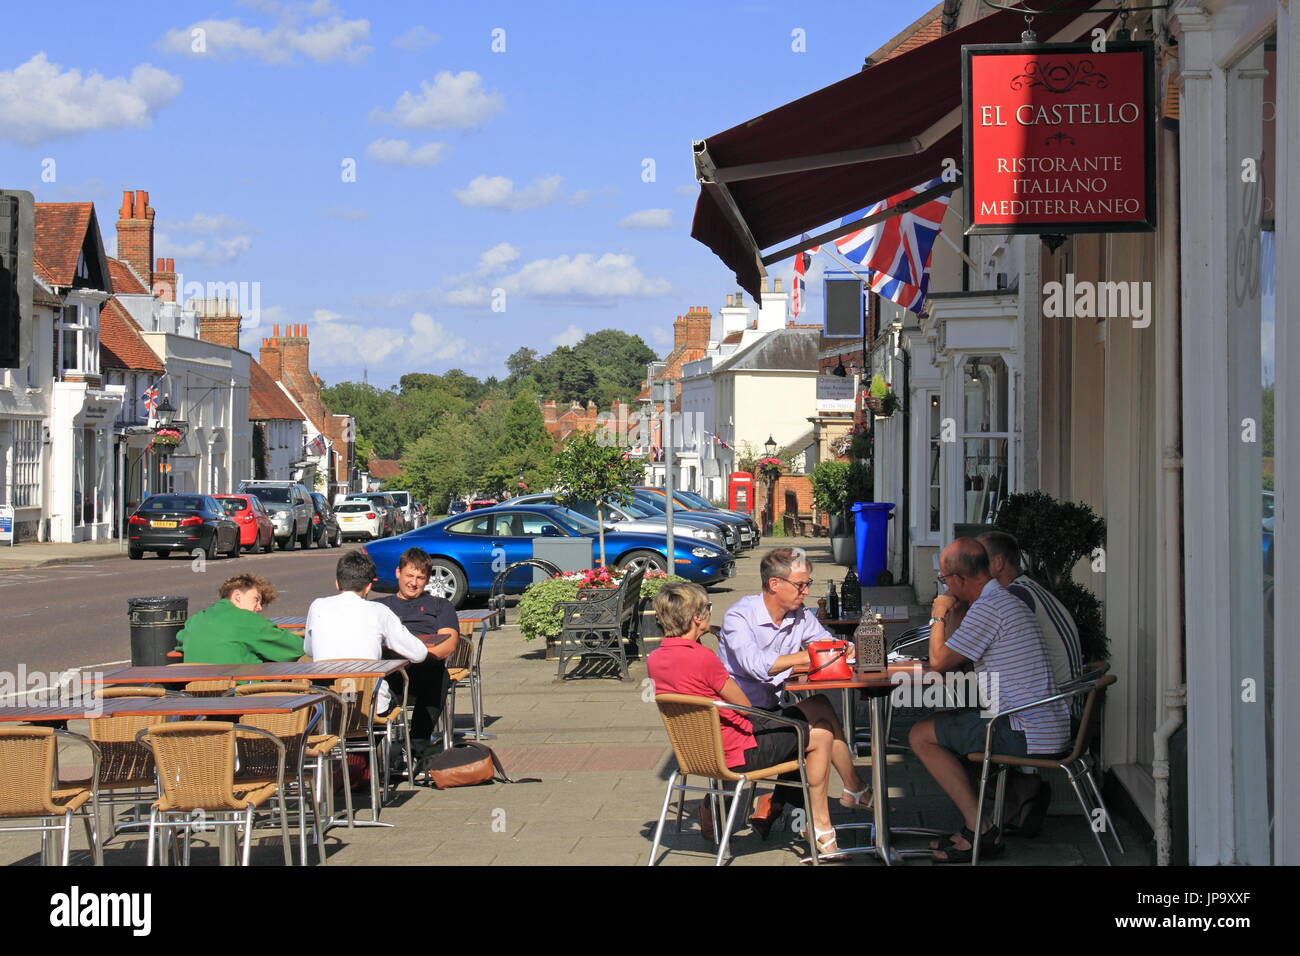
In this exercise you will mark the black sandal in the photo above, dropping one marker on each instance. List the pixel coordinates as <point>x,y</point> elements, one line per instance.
<point>991,847</point>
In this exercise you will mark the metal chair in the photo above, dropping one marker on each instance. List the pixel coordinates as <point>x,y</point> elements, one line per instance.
<point>30,787</point>
<point>465,669</point>
<point>126,770</point>
<point>366,732</point>
<point>695,733</point>
<point>1074,763</point>
<point>598,622</point>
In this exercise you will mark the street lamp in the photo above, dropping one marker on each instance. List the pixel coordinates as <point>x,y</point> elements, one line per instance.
<point>770,446</point>
<point>839,369</point>
<point>165,411</point>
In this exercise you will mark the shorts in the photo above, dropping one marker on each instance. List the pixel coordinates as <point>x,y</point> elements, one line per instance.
<point>774,743</point>
<point>962,732</point>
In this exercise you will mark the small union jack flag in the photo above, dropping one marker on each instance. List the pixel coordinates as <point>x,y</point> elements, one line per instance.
<point>801,263</point>
<point>150,397</point>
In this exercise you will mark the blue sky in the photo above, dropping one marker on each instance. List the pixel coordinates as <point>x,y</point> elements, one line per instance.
<point>242,147</point>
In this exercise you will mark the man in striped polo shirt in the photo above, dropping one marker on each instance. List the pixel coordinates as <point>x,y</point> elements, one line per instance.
<point>1001,637</point>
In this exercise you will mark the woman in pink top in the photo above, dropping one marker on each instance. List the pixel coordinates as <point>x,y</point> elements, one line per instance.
<point>682,665</point>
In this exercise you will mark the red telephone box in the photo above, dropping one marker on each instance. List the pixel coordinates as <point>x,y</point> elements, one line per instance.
<point>740,491</point>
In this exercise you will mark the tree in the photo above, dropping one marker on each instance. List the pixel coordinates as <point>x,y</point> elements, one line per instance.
<point>373,411</point>
<point>416,411</point>
<point>434,469</point>
<point>521,362</point>
<point>586,470</point>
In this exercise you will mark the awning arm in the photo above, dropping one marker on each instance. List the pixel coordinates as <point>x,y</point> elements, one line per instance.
<point>705,174</point>
<point>848,157</point>
<point>907,205</point>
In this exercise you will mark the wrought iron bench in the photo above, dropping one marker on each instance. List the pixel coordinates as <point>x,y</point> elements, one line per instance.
<point>497,596</point>
<point>599,621</point>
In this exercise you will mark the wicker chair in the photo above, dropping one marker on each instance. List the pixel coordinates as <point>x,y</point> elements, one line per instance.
<point>126,768</point>
<point>257,760</point>
<point>464,668</point>
<point>369,733</point>
<point>30,787</point>
<point>695,733</point>
<point>205,688</point>
<point>196,771</point>
<point>1075,763</point>
<point>599,621</point>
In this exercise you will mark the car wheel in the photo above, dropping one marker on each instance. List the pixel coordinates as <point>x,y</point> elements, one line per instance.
<point>135,554</point>
<point>649,560</point>
<point>305,540</point>
<point>237,547</point>
<point>256,547</point>
<point>210,552</point>
<point>338,539</point>
<point>287,543</point>
<point>446,580</point>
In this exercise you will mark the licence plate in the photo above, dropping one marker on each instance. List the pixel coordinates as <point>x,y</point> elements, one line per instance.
<point>162,524</point>
<point>350,519</point>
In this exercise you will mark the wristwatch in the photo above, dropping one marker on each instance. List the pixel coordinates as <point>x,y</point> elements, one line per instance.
<point>933,621</point>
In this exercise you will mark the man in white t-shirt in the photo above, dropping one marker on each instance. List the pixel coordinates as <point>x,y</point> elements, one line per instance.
<point>347,626</point>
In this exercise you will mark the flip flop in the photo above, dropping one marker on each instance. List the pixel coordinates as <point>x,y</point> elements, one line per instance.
<point>990,848</point>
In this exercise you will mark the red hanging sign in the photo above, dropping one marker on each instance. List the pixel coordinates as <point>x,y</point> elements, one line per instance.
<point>1059,138</point>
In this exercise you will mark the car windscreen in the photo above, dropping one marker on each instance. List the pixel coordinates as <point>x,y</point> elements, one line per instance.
<point>232,505</point>
<point>173,503</point>
<point>575,522</point>
<point>273,494</point>
<point>651,502</point>
<point>692,498</point>
<point>637,510</point>
<point>351,507</point>
<point>403,498</point>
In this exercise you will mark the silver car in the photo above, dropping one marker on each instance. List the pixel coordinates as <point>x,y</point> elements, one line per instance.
<point>291,509</point>
<point>630,516</point>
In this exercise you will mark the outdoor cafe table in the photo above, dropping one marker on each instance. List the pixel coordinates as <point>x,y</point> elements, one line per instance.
<point>267,670</point>
<point>876,687</point>
<point>290,623</point>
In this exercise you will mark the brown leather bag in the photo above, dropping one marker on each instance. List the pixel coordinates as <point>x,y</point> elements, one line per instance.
<point>465,765</point>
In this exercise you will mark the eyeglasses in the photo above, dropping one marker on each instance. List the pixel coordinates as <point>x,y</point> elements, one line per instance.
<point>801,585</point>
<point>943,578</point>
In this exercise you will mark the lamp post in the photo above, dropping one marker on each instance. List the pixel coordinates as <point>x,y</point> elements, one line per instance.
<point>769,446</point>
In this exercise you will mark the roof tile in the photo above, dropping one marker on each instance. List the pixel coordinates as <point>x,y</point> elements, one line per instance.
<point>266,401</point>
<point>120,343</point>
<point>60,234</point>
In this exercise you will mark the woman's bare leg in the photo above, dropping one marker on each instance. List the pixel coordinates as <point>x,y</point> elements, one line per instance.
<point>818,765</point>
<point>820,713</point>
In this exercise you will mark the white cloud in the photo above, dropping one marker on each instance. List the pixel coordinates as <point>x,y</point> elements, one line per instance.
<point>324,42</point>
<point>497,258</point>
<point>208,252</point>
<point>338,343</point>
<point>685,190</point>
<point>498,192</point>
<point>416,38</point>
<point>451,101</point>
<point>570,336</point>
<point>202,224</point>
<point>660,336</point>
<point>648,219</point>
<point>325,315</point>
<point>585,278</point>
<point>398,152</point>
<point>39,100</point>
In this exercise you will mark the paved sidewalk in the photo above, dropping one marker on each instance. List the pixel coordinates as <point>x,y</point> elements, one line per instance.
<point>599,748</point>
<point>34,554</point>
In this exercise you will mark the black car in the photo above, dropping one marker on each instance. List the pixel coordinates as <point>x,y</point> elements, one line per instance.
<point>325,529</point>
<point>166,523</point>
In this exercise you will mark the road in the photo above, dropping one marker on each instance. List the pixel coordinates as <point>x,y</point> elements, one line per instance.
<point>74,615</point>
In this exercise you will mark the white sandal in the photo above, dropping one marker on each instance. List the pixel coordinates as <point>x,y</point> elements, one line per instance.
<point>860,800</point>
<point>827,848</point>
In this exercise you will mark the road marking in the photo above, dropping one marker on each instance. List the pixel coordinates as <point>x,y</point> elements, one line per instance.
<point>66,677</point>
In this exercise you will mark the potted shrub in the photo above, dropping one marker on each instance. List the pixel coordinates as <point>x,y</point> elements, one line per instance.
<point>539,617</point>
<point>830,488</point>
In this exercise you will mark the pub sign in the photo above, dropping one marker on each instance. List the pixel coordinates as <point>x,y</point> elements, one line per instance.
<point>1059,138</point>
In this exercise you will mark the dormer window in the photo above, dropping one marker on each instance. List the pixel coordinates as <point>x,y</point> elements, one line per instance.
<point>76,340</point>
<point>83,272</point>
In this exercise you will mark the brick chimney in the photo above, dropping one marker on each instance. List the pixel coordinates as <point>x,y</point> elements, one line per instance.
<point>550,413</point>
<point>164,279</point>
<point>219,321</point>
<point>135,234</point>
<point>295,372</point>
<point>269,356</point>
<point>692,329</point>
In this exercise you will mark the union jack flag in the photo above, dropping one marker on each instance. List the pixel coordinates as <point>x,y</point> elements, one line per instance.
<point>150,397</point>
<point>897,250</point>
<point>801,263</point>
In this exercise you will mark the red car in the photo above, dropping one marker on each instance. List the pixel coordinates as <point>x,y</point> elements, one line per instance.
<point>255,529</point>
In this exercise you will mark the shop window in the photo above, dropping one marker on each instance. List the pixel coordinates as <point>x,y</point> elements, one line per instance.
<point>986,436</point>
<point>27,463</point>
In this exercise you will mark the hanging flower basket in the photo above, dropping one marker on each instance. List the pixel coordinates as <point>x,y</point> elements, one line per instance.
<point>769,468</point>
<point>875,405</point>
<point>166,438</point>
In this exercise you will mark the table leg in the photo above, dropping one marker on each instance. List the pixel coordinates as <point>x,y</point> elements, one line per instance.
<point>226,844</point>
<point>880,784</point>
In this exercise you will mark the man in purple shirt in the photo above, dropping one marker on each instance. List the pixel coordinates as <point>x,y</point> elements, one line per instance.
<point>763,639</point>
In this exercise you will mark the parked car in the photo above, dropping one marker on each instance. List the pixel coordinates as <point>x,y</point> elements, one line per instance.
<point>403,499</point>
<point>481,503</point>
<point>394,517</point>
<point>457,506</point>
<point>743,528</point>
<point>167,523</point>
<point>256,531</point>
<point>468,550</point>
<point>358,520</point>
<point>325,530</point>
<point>291,508</point>
<point>632,516</point>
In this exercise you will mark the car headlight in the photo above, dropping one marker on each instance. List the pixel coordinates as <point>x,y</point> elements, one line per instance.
<point>704,552</point>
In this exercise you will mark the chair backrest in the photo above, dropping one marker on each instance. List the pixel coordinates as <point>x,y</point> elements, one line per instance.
<point>359,694</point>
<point>695,734</point>
<point>1089,709</point>
<point>205,688</point>
<point>464,655</point>
<point>28,762</point>
<point>122,758</point>
<point>273,687</point>
<point>196,764</point>
<point>631,587</point>
<point>258,757</point>
<point>126,690</point>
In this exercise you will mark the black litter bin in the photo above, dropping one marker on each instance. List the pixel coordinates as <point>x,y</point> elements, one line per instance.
<point>155,622</point>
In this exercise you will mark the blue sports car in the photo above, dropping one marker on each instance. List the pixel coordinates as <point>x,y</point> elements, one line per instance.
<point>469,549</point>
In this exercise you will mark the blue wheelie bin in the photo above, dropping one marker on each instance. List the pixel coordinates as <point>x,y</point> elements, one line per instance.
<point>871,531</point>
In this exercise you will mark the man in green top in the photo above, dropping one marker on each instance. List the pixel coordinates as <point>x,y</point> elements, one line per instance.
<point>233,632</point>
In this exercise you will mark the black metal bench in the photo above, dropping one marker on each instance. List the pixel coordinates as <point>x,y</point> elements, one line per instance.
<point>599,622</point>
